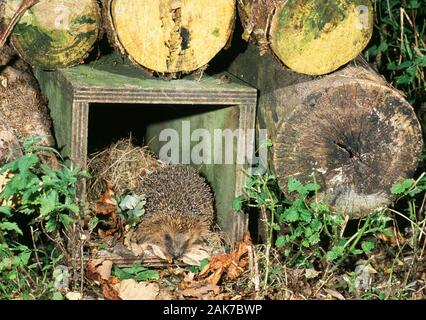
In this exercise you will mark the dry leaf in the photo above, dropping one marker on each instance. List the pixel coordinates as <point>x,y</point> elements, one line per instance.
<point>311,273</point>
<point>104,270</point>
<point>199,290</point>
<point>158,251</point>
<point>73,296</point>
<point>233,264</point>
<point>108,288</point>
<point>107,205</point>
<point>334,294</point>
<point>132,290</point>
<point>195,255</point>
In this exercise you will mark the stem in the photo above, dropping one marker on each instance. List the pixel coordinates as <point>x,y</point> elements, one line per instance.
<point>16,17</point>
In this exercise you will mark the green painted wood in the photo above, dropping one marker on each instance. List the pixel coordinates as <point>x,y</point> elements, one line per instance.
<point>221,177</point>
<point>217,103</point>
<point>125,77</point>
<point>60,106</point>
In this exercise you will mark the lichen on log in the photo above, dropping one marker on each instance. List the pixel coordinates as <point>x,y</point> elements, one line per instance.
<point>55,33</point>
<point>309,36</point>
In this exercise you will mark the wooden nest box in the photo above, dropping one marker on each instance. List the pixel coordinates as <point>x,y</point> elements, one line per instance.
<point>187,104</point>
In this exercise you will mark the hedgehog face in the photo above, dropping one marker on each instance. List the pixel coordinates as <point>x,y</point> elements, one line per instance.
<point>177,244</point>
<point>171,238</point>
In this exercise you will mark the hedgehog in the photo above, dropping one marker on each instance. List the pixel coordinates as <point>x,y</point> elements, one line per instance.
<point>178,212</point>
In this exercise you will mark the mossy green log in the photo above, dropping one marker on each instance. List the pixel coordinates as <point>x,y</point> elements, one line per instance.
<point>54,34</point>
<point>313,37</point>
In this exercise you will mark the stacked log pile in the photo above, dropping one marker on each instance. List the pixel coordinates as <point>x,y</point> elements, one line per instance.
<point>348,130</point>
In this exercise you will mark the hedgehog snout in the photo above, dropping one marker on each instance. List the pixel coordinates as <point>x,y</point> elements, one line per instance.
<point>177,245</point>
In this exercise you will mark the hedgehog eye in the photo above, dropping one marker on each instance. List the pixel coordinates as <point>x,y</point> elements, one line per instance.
<point>185,246</point>
<point>168,240</point>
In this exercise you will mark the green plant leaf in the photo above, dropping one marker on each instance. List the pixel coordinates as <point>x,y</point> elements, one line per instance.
<point>51,225</point>
<point>27,161</point>
<point>237,203</point>
<point>335,253</point>
<point>402,187</point>
<point>48,202</point>
<point>7,211</point>
<point>280,241</point>
<point>57,296</point>
<point>294,185</point>
<point>367,246</point>
<point>291,215</point>
<point>10,226</point>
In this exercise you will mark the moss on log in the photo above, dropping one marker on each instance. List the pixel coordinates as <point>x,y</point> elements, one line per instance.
<point>54,33</point>
<point>309,36</point>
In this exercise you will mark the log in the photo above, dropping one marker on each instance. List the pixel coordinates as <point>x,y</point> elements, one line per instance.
<point>313,37</point>
<point>169,36</point>
<point>54,33</point>
<point>23,114</point>
<point>349,131</point>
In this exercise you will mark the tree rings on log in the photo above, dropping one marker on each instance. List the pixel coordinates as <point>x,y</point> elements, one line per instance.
<point>313,37</point>
<point>55,33</point>
<point>354,137</point>
<point>169,36</point>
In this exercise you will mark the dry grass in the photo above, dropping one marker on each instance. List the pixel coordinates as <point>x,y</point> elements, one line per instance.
<point>123,164</point>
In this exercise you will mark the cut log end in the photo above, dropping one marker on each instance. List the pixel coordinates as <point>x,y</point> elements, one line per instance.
<point>356,139</point>
<point>169,36</point>
<point>317,37</point>
<point>56,33</point>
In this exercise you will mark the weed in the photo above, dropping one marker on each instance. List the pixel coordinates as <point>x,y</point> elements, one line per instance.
<point>45,197</point>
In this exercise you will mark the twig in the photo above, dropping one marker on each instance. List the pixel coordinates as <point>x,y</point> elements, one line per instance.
<point>16,17</point>
<point>35,249</point>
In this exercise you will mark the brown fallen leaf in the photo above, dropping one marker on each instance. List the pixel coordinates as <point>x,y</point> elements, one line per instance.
<point>200,289</point>
<point>104,270</point>
<point>335,294</point>
<point>92,273</point>
<point>232,264</point>
<point>195,255</point>
<point>107,208</point>
<point>107,205</point>
<point>108,288</point>
<point>132,290</point>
